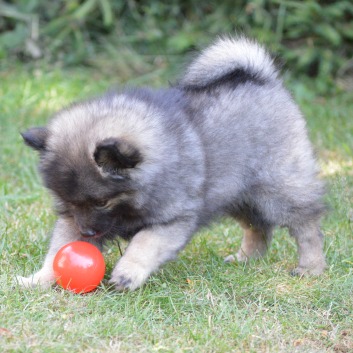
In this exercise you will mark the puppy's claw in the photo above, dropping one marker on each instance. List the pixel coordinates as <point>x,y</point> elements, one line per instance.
<point>128,275</point>
<point>305,272</point>
<point>241,256</point>
<point>121,284</point>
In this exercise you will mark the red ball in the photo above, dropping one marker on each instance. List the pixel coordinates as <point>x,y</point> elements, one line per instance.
<point>79,267</point>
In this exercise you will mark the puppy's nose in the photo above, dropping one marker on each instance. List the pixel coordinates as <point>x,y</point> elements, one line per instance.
<point>88,233</point>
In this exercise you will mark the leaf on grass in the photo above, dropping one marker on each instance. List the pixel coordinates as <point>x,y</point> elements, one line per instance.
<point>107,12</point>
<point>4,332</point>
<point>329,33</point>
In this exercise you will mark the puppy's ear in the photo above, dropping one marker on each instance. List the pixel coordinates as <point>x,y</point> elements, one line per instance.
<point>36,137</point>
<point>113,154</point>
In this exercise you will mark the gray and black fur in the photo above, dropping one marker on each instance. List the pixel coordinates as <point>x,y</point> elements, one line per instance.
<point>153,166</point>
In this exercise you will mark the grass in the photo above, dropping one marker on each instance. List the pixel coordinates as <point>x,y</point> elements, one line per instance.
<point>198,303</point>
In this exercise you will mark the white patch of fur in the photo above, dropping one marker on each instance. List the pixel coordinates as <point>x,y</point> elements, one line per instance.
<point>64,233</point>
<point>227,55</point>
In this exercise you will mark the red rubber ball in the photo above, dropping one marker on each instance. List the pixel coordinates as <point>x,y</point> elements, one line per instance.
<point>79,267</point>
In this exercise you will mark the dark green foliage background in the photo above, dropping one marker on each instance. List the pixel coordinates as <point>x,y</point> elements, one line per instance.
<point>314,38</point>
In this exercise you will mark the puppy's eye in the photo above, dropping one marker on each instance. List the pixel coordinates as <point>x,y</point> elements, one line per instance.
<point>101,203</point>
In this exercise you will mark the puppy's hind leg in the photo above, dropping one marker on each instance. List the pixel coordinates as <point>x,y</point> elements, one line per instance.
<point>64,232</point>
<point>255,242</point>
<point>310,249</point>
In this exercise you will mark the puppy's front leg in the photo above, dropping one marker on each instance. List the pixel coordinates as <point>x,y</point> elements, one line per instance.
<point>64,232</point>
<point>148,250</point>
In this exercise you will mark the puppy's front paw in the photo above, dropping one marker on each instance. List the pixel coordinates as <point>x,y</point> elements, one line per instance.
<point>42,279</point>
<point>128,275</point>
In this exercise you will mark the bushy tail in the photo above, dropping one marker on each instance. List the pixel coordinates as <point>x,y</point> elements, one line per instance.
<point>230,59</point>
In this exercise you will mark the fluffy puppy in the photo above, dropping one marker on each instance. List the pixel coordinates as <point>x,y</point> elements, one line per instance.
<point>153,166</point>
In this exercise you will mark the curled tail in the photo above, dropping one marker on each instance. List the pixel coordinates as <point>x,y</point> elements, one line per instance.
<point>233,60</point>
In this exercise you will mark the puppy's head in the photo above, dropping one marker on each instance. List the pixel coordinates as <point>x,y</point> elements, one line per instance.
<point>90,163</point>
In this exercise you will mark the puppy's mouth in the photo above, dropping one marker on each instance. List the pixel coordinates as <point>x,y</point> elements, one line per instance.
<point>92,236</point>
<point>95,234</point>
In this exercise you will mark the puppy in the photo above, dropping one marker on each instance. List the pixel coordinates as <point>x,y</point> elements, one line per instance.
<point>153,166</point>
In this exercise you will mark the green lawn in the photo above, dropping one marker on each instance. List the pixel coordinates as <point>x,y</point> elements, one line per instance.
<point>197,303</point>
